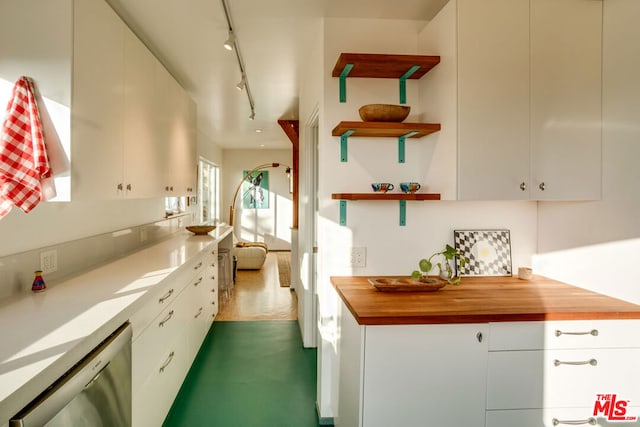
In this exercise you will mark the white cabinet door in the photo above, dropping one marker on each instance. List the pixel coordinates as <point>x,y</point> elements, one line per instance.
<point>142,173</point>
<point>182,167</point>
<point>566,86</point>
<point>424,375</point>
<point>493,99</point>
<point>98,96</point>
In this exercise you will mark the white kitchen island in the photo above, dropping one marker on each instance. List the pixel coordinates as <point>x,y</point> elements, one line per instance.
<point>495,352</point>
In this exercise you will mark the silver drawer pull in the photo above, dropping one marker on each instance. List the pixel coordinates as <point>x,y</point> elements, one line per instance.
<point>591,421</point>
<point>592,362</point>
<point>198,314</point>
<point>593,332</point>
<point>166,319</point>
<point>213,264</point>
<point>167,295</point>
<point>198,265</point>
<point>166,362</point>
<point>213,290</point>
<point>197,282</point>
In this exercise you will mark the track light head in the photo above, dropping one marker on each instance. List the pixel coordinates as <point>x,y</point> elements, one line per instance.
<point>243,82</point>
<point>230,42</point>
<point>253,115</point>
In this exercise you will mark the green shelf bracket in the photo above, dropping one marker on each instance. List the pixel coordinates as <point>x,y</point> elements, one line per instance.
<point>343,212</point>
<point>401,144</point>
<point>403,83</point>
<point>343,82</point>
<point>403,213</point>
<point>343,144</point>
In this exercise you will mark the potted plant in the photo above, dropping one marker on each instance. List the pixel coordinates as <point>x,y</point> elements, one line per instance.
<point>445,270</point>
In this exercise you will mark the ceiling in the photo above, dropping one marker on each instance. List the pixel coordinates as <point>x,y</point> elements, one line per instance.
<point>273,36</point>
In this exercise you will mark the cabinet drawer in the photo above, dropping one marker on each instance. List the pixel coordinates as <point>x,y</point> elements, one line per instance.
<point>152,399</point>
<point>560,378</point>
<point>164,297</point>
<point>150,345</point>
<point>564,334</point>
<point>546,417</point>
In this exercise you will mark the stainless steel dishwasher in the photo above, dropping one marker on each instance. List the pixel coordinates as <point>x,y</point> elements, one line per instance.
<point>96,392</point>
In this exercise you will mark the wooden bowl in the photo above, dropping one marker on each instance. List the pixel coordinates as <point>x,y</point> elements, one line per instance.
<point>201,229</point>
<point>383,112</point>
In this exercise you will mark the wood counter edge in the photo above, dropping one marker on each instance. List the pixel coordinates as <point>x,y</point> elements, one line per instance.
<point>482,318</point>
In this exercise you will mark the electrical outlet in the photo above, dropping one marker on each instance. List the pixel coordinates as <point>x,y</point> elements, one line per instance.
<point>49,261</point>
<point>358,257</point>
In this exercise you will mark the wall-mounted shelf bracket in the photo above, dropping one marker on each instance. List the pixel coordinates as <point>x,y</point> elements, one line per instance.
<point>343,212</point>
<point>403,83</point>
<point>343,82</point>
<point>401,144</point>
<point>343,144</point>
<point>403,213</point>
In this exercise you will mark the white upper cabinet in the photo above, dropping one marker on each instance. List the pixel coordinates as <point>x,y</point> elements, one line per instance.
<point>141,153</point>
<point>131,120</point>
<point>493,98</point>
<point>97,118</point>
<point>526,75</point>
<point>566,99</point>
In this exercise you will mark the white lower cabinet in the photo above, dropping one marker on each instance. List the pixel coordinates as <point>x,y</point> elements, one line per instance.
<point>555,373</point>
<point>165,347</point>
<point>411,375</point>
<point>509,374</point>
<point>553,417</point>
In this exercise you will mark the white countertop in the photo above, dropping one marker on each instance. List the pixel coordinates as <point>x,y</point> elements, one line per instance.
<point>43,334</point>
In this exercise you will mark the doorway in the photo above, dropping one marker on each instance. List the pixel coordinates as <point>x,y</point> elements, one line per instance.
<point>307,301</point>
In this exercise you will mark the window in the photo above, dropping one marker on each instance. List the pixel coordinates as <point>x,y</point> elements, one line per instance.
<point>209,192</point>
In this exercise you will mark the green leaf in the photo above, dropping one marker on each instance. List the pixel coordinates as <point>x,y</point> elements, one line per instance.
<point>416,274</point>
<point>425,265</point>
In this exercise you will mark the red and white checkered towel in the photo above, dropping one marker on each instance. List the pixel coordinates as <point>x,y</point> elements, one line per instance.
<point>23,157</point>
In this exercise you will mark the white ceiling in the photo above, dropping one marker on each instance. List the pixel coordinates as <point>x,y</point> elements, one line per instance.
<point>187,36</point>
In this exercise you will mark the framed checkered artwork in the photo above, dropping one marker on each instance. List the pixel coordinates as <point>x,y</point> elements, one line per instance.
<point>488,252</point>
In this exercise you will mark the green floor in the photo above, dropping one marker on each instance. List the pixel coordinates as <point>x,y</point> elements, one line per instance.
<point>249,374</point>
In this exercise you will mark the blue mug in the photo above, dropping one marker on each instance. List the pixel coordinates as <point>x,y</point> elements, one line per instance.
<point>382,187</point>
<point>409,187</point>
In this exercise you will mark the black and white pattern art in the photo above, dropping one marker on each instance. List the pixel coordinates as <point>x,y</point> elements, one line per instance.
<point>488,252</point>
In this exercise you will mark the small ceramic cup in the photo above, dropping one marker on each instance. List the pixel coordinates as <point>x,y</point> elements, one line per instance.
<point>409,187</point>
<point>382,187</point>
<point>525,273</point>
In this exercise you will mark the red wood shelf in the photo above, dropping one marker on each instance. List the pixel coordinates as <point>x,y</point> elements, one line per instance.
<point>385,196</point>
<point>385,129</point>
<point>383,65</point>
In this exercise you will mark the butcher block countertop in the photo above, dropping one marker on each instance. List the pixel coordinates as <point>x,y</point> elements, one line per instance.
<point>479,300</point>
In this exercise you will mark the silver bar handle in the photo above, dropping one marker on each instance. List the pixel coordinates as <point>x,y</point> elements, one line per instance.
<point>591,421</point>
<point>592,362</point>
<point>198,265</point>
<point>167,362</point>
<point>593,332</point>
<point>167,295</point>
<point>198,314</point>
<point>197,282</point>
<point>166,319</point>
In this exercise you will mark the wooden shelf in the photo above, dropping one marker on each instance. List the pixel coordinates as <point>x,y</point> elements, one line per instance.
<point>384,66</point>
<point>385,196</point>
<point>385,129</point>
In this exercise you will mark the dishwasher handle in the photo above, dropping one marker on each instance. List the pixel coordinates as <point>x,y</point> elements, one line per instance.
<point>80,376</point>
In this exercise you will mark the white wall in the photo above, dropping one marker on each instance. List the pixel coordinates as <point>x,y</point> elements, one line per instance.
<point>272,225</point>
<point>390,248</point>
<point>596,245</point>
